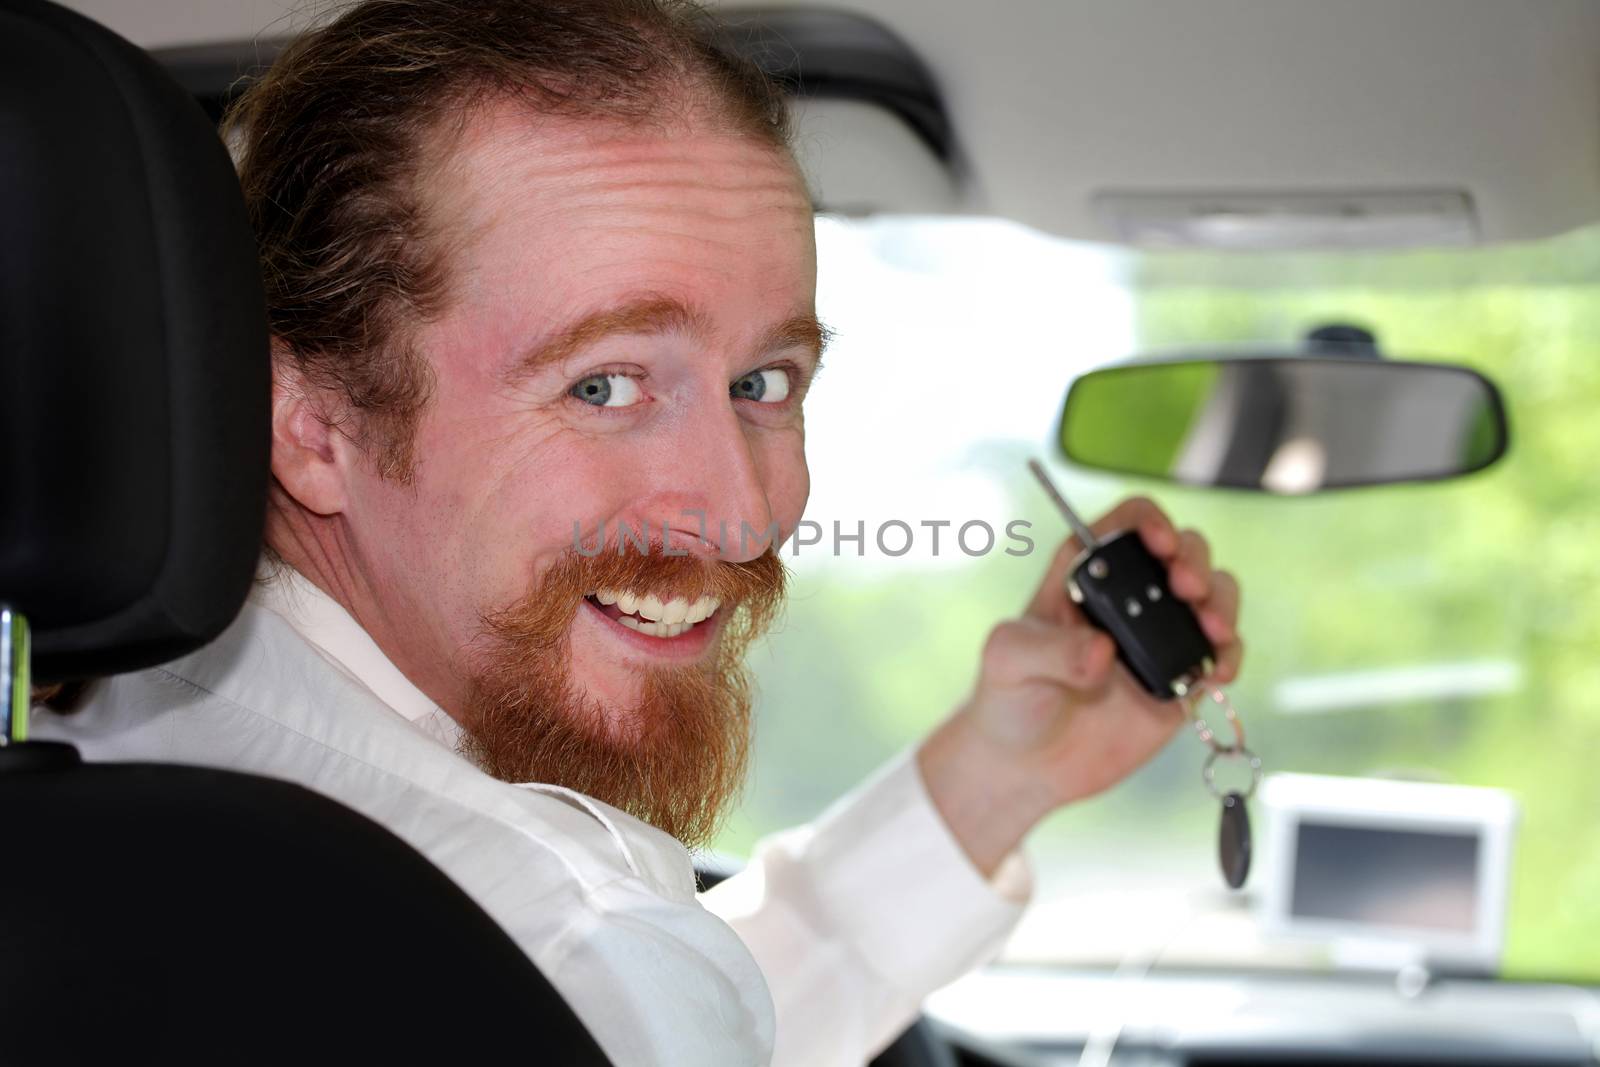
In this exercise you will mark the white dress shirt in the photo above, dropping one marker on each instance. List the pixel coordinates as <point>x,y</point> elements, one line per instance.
<point>816,955</point>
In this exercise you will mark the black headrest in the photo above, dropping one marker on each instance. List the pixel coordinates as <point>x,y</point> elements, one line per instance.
<point>133,344</point>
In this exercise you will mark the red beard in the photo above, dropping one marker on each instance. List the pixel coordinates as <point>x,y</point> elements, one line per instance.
<point>677,757</point>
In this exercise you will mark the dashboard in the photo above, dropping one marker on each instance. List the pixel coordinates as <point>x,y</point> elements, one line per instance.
<point>1064,1019</point>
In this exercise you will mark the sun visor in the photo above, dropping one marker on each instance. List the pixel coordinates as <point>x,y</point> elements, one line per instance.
<point>860,158</point>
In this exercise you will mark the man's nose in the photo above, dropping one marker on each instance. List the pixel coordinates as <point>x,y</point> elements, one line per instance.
<point>723,492</point>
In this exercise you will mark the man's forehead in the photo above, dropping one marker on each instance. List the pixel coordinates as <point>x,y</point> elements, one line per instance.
<point>559,231</point>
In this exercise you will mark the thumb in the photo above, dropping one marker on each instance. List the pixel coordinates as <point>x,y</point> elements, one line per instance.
<point>1072,654</point>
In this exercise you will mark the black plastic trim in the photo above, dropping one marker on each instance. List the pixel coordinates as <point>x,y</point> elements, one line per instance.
<point>845,56</point>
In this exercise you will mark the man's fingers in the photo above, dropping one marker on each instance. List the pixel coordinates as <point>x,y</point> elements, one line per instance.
<point>1141,513</point>
<point>1219,615</point>
<point>1160,536</point>
<point>1052,642</point>
<point>1190,570</point>
<point>1229,657</point>
<point>1033,650</point>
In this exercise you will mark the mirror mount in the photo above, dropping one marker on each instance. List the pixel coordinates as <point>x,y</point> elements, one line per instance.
<point>1342,340</point>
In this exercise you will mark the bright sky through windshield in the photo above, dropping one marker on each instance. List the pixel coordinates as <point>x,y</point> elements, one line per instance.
<point>931,315</point>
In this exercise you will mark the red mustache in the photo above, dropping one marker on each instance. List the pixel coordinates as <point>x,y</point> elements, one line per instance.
<point>753,588</point>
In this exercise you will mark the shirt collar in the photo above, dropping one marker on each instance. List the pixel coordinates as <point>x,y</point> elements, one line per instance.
<point>324,624</point>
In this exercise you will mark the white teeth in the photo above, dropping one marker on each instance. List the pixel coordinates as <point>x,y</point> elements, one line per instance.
<point>648,615</point>
<point>701,609</point>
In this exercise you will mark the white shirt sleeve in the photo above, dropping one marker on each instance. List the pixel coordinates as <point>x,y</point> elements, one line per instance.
<point>857,917</point>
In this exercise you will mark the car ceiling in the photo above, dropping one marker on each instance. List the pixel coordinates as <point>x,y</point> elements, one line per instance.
<point>1060,107</point>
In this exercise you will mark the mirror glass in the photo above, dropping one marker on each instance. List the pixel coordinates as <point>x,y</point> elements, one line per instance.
<point>1284,424</point>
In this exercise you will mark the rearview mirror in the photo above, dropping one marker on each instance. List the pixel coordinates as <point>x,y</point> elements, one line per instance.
<point>1284,424</point>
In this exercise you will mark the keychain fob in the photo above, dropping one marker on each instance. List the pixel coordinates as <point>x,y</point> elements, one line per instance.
<point>1122,589</point>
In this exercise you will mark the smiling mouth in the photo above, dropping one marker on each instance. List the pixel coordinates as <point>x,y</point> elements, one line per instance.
<point>648,614</point>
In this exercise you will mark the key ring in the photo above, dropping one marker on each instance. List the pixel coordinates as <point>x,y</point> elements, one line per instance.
<point>1233,839</point>
<point>1237,750</point>
<point>1208,735</point>
<point>1231,752</point>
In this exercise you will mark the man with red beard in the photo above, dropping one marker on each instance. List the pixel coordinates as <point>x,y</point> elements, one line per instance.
<point>543,266</point>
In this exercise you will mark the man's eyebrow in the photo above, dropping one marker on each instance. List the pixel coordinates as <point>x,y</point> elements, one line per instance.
<point>801,331</point>
<point>647,315</point>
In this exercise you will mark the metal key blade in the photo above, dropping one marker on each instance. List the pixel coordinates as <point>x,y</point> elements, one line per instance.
<point>1085,535</point>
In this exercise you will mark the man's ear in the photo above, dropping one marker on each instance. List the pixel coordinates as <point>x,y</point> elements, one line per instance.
<point>309,453</point>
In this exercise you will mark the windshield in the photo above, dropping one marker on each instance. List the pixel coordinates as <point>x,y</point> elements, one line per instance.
<point>1442,632</point>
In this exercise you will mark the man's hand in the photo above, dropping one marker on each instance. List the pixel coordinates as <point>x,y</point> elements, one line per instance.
<point>1053,717</point>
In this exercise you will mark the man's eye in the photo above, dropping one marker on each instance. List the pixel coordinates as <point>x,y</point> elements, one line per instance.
<point>770,386</point>
<point>607,391</point>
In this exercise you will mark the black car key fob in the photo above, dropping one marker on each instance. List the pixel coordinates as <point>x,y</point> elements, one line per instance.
<point>1122,589</point>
